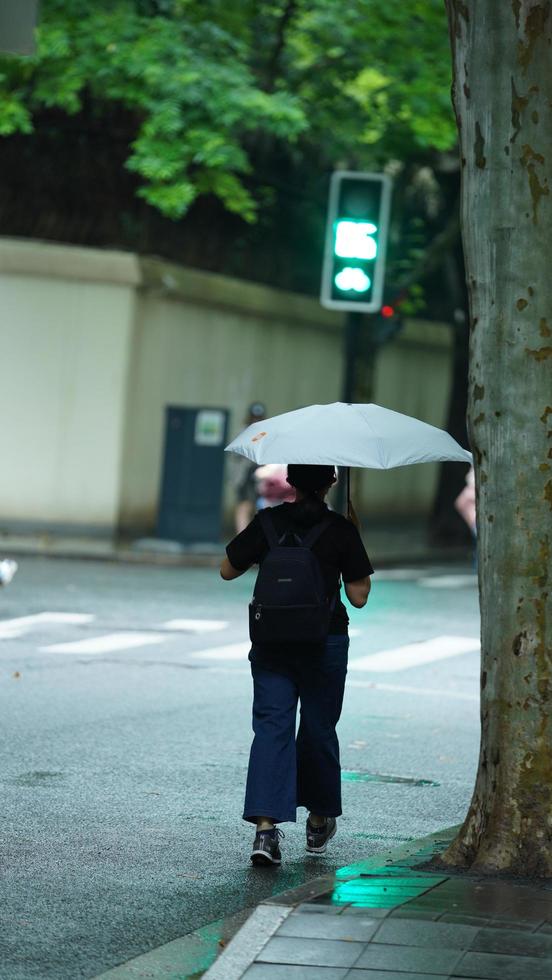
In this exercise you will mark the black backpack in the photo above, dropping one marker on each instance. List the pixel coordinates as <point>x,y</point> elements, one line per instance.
<point>289,601</point>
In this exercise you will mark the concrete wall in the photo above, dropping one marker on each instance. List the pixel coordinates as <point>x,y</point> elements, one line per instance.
<point>66,321</point>
<point>413,376</point>
<point>248,343</point>
<point>95,344</point>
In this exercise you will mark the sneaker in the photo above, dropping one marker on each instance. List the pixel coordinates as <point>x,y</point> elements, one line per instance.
<point>266,847</point>
<point>8,569</point>
<point>318,837</point>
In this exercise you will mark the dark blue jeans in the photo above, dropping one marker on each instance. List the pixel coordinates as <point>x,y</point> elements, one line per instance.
<point>286,771</point>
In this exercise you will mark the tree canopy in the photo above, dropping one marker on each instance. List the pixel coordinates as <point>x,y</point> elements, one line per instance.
<point>207,86</point>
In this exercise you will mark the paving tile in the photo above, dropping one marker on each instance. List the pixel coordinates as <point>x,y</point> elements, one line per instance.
<point>374,913</point>
<point>468,920</point>
<point>303,952</point>
<point>489,966</point>
<point>517,926</point>
<point>408,959</point>
<point>471,899</point>
<point>393,886</point>
<point>414,882</point>
<point>360,928</point>
<point>512,943</point>
<point>396,870</point>
<point>322,909</point>
<point>392,975</point>
<point>525,920</point>
<point>528,911</point>
<point>275,971</point>
<point>357,893</point>
<point>432,935</point>
<point>424,905</point>
<point>407,912</point>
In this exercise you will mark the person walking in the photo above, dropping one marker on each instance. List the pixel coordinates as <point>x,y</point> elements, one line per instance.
<point>8,569</point>
<point>286,771</point>
<point>242,475</point>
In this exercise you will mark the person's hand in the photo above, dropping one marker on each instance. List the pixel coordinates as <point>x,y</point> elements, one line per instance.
<point>352,515</point>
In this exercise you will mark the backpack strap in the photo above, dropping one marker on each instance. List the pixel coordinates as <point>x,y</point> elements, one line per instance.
<point>310,539</point>
<point>315,532</point>
<point>268,528</point>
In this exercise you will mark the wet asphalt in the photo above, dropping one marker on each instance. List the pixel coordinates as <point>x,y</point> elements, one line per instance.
<point>123,772</point>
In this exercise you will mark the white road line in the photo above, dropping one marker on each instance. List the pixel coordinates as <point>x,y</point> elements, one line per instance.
<point>415,654</point>
<point>106,644</point>
<point>448,582</point>
<point>396,574</point>
<point>22,624</point>
<point>232,651</point>
<point>195,625</point>
<point>405,689</point>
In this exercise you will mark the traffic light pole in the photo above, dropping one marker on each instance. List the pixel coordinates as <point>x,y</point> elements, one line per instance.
<point>353,324</point>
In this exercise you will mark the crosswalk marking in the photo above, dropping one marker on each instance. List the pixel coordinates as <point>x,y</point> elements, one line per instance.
<point>107,643</point>
<point>195,625</point>
<point>232,651</point>
<point>406,689</point>
<point>397,574</point>
<point>396,659</point>
<point>448,581</point>
<point>415,654</point>
<point>11,628</point>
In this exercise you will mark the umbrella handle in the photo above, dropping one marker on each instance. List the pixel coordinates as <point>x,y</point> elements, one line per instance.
<point>348,505</point>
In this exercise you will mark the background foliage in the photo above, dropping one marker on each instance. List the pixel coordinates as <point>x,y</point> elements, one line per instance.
<point>206,131</point>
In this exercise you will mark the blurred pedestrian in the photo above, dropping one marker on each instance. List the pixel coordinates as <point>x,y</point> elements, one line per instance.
<point>242,475</point>
<point>465,502</point>
<point>8,569</point>
<point>286,771</point>
<point>272,485</point>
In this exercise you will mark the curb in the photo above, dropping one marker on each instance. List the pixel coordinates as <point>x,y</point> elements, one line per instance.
<point>123,556</point>
<point>248,942</point>
<point>242,936</point>
<point>128,556</point>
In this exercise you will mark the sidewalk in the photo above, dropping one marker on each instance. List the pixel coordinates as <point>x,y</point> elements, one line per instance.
<point>394,920</point>
<point>399,543</point>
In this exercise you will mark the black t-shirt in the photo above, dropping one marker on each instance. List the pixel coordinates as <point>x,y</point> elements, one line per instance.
<point>339,550</point>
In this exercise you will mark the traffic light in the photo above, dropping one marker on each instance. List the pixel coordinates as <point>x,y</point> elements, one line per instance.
<point>356,239</point>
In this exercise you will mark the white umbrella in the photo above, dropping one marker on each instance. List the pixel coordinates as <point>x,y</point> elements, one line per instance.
<point>347,435</point>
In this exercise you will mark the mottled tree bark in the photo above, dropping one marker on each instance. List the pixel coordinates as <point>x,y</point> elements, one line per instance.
<point>502,93</point>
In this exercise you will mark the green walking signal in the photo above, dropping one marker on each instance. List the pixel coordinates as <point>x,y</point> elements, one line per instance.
<point>356,239</point>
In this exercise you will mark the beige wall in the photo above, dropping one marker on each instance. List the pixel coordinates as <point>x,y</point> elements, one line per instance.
<point>64,343</point>
<point>186,353</point>
<point>95,344</point>
<point>413,376</point>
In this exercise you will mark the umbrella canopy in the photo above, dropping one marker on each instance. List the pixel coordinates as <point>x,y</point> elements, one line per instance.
<point>347,435</point>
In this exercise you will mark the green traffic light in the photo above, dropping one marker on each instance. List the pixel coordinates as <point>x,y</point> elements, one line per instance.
<point>353,240</point>
<point>352,279</point>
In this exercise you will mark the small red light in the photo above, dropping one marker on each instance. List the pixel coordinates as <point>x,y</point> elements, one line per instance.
<point>387,311</point>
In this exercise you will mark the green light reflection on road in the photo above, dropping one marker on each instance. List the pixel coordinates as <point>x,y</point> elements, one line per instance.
<point>358,776</point>
<point>380,893</point>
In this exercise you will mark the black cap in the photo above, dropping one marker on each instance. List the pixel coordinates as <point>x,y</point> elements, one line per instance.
<point>306,478</point>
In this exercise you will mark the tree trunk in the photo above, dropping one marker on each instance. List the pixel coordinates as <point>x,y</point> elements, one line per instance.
<point>502,95</point>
